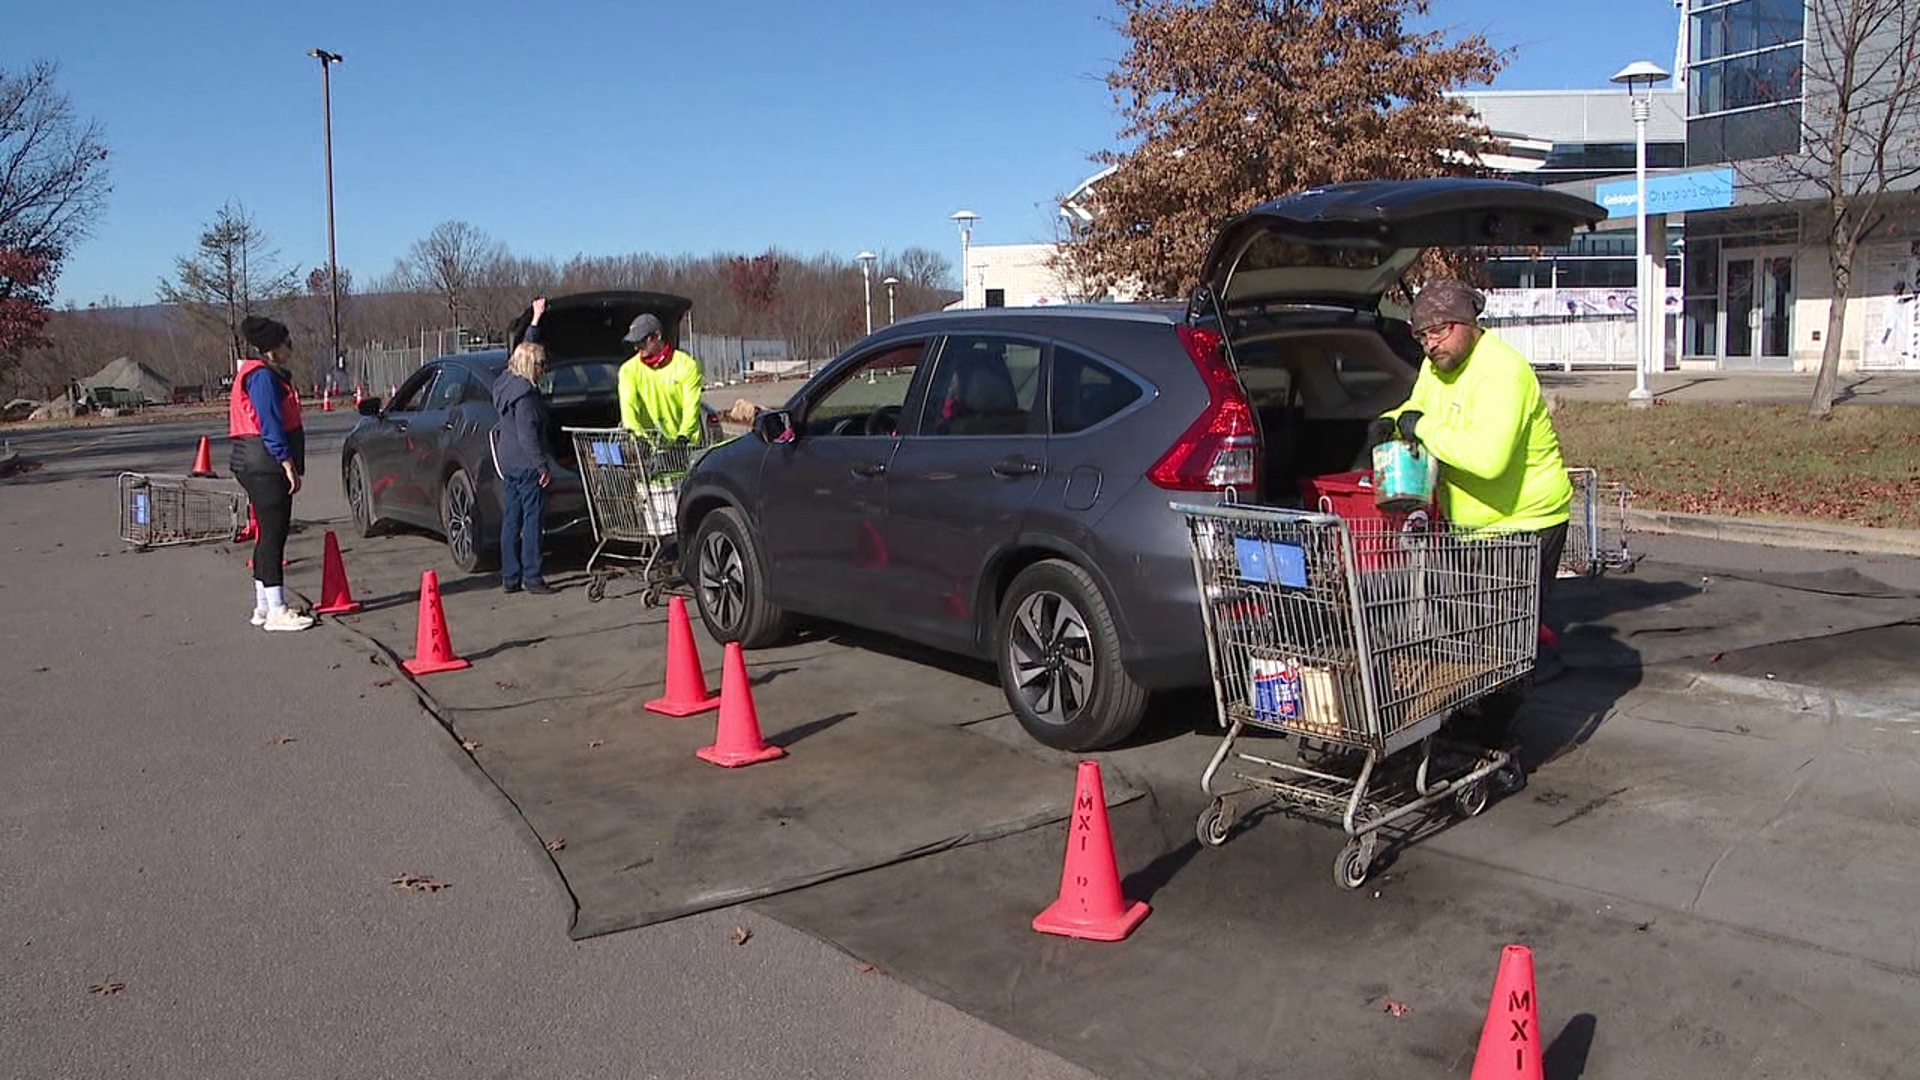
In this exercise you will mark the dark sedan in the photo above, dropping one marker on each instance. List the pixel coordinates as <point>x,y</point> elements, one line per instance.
<point>424,460</point>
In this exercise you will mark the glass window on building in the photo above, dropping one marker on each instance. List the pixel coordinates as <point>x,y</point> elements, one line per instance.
<point>1744,79</point>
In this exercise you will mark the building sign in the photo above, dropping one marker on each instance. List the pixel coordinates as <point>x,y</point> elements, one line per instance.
<point>1708,190</point>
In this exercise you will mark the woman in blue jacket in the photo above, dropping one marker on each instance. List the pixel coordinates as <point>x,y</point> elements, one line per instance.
<point>520,452</point>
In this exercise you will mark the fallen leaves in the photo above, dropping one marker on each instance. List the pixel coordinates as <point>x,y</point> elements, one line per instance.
<point>469,745</point>
<point>282,740</point>
<point>505,684</point>
<point>383,682</point>
<point>557,844</point>
<point>868,969</point>
<point>1394,1007</point>
<point>415,883</point>
<point>106,989</point>
<point>596,744</point>
<point>741,935</point>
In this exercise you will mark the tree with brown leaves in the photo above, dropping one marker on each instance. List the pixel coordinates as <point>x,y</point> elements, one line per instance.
<point>1229,103</point>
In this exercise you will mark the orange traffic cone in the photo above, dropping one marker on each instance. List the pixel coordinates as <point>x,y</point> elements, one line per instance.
<point>738,741</point>
<point>203,459</point>
<point>1090,904</point>
<point>358,397</point>
<point>1510,1041</point>
<point>336,596</point>
<point>432,651</point>
<point>686,684</point>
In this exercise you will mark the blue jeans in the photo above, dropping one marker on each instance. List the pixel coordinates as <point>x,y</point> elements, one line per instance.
<point>525,503</point>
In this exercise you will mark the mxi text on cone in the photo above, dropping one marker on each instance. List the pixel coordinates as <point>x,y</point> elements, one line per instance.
<point>1090,904</point>
<point>1510,1040</point>
<point>432,650</point>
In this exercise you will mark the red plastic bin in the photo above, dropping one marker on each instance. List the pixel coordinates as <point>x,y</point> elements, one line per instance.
<point>1350,495</point>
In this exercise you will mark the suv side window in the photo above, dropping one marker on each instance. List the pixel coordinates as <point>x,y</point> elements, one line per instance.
<point>867,400</point>
<point>1087,391</point>
<point>984,385</point>
<point>479,390</point>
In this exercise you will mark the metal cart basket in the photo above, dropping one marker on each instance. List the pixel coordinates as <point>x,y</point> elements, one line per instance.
<point>633,490</point>
<point>158,511</point>
<point>1597,533</point>
<point>1355,641</point>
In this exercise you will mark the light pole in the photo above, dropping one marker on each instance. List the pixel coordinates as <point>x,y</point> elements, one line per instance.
<point>890,283</point>
<point>1638,75</point>
<point>866,283</point>
<point>964,219</point>
<point>327,60</point>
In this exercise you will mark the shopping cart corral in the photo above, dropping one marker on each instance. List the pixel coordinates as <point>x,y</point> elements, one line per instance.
<point>1354,642</point>
<point>160,511</point>
<point>1597,529</point>
<point>632,486</point>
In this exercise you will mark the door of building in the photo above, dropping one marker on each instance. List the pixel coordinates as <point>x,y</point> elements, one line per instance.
<point>1757,310</point>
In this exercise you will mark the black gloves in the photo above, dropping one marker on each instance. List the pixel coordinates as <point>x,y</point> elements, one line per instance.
<point>1379,431</point>
<point>1405,427</point>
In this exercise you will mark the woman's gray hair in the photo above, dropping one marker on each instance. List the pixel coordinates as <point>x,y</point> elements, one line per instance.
<point>529,360</point>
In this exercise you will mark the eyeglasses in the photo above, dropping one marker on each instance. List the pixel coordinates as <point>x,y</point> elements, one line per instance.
<point>1434,333</point>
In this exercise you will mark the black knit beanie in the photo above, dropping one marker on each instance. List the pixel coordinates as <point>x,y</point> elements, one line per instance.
<point>263,333</point>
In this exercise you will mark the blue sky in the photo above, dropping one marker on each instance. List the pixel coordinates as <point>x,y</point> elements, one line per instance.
<point>614,127</point>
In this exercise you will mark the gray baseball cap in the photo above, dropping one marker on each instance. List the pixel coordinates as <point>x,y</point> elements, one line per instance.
<point>643,326</point>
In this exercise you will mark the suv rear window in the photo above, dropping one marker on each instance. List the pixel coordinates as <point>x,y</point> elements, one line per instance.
<point>594,377</point>
<point>1086,392</point>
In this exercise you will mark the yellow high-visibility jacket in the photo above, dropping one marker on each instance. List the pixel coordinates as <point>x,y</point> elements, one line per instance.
<point>665,399</point>
<point>1487,423</point>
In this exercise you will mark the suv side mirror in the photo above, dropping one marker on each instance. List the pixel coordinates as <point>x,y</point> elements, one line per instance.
<point>370,406</point>
<point>775,426</point>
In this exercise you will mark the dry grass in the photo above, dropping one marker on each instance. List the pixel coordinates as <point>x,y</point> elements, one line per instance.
<point>1861,467</point>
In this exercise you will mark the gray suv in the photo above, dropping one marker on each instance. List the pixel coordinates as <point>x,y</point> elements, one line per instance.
<point>996,482</point>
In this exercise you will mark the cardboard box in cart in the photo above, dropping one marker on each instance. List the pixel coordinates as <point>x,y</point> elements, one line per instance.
<point>1284,692</point>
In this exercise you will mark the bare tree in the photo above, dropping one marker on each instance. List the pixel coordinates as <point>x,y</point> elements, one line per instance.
<point>1233,102</point>
<point>924,268</point>
<point>1859,114</point>
<point>454,261</point>
<point>234,272</point>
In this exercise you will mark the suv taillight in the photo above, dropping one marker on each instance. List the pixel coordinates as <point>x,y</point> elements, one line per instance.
<point>1221,449</point>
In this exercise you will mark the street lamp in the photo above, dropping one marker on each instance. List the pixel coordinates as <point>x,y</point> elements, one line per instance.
<point>964,219</point>
<point>890,283</point>
<point>866,283</point>
<point>327,60</point>
<point>1638,75</point>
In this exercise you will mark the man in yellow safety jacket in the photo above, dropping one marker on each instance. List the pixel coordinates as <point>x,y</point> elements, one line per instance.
<point>660,386</point>
<point>1477,407</point>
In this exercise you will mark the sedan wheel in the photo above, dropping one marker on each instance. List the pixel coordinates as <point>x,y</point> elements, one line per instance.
<point>460,517</point>
<point>1051,656</point>
<point>722,588</point>
<point>360,496</point>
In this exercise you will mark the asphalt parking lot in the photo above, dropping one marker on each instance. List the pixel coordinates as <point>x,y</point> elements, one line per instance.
<point>1704,869</point>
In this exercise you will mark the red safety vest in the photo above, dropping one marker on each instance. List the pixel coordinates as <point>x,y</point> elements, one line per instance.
<point>243,420</point>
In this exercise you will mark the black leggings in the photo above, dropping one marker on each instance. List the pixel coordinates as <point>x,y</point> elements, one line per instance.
<point>273,510</point>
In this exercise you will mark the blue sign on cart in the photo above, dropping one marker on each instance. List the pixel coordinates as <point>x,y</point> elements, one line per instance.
<point>1268,563</point>
<point>607,453</point>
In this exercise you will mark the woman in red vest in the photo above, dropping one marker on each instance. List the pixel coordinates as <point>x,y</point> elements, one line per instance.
<point>269,457</point>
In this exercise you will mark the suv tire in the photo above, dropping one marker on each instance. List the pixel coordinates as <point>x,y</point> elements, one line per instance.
<point>1058,653</point>
<point>730,583</point>
<point>463,526</point>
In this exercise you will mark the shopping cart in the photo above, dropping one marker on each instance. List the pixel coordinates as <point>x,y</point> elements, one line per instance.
<point>633,489</point>
<point>1597,532</point>
<point>159,511</point>
<point>1356,641</point>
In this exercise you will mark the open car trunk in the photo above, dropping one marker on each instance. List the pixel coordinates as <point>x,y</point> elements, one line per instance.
<point>1314,390</point>
<point>584,337</point>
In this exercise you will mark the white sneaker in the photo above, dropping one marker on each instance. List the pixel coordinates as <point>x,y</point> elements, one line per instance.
<point>286,619</point>
<point>259,616</point>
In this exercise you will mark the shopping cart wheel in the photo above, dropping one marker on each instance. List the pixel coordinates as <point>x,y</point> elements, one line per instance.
<point>1510,778</point>
<point>596,590</point>
<point>651,597</point>
<point>1216,821</point>
<point>1350,869</point>
<point>1471,799</point>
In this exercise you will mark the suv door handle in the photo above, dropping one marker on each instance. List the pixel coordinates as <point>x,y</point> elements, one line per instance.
<point>870,468</point>
<point>1009,468</point>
